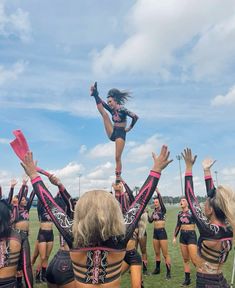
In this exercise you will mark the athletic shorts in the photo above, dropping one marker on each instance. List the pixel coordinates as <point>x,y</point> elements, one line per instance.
<point>188,237</point>
<point>159,234</point>
<point>8,282</point>
<point>132,257</point>
<point>211,281</point>
<point>45,236</point>
<point>60,269</point>
<point>118,132</point>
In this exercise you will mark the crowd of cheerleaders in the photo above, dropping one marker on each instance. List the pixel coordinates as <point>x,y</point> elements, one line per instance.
<point>99,235</point>
<point>111,257</point>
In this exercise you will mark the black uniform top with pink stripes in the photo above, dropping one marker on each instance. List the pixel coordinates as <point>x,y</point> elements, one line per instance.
<point>125,198</point>
<point>120,115</point>
<point>208,231</point>
<point>115,244</point>
<point>23,211</point>
<point>184,218</point>
<point>159,213</point>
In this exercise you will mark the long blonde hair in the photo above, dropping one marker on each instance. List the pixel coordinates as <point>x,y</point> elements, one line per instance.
<point>225,198</point>
<point>97,217</point>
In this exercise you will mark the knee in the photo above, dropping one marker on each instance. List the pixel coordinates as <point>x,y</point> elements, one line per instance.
<point>186,261</point>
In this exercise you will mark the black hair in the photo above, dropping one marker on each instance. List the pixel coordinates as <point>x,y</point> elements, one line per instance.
<point>119,96</point>
<point>5,219</point>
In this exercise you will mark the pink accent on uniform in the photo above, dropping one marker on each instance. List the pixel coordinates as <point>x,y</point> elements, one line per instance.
<point>188,174</point>
<point>207,177</point>
<point>155,174</point>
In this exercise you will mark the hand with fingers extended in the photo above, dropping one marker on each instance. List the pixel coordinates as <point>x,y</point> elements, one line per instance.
<point>94,91</point>
<point>189,159</point>
<point>207,163</point>
<point>29,165</point>
<point>162,160</point>
<point>13,183</point>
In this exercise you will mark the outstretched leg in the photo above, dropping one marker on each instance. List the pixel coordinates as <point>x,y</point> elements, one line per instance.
<point>119,143</point>
<point>99,103</point>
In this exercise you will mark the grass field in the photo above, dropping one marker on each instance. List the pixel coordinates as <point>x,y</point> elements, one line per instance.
<point>153,280</point>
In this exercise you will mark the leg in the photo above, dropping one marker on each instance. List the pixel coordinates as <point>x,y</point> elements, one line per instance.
<point>156,246</point>
<point>143,249</point>
<point>192,249</point>
<point>49,246</point>
<point>164,248</point>
<point>35,253</point>
<point>135,276</point>
<point>42,247</point>
<point>186,258</point>
<point>119,143</point>
<point>125,267</point>
<point>107,122</point>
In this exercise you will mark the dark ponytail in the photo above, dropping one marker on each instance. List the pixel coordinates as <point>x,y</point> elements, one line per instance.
<point>119,96</point>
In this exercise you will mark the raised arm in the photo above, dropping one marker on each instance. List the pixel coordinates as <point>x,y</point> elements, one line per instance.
<point>162,205</point>
<point>136,209</point>
<point>23,190</point>
<point>11,192</point>
<point>30,202</point>
<point>201,220</point>
<point>67,198</point>
<point>121,196</point>
<point>207,164</point>
<point>129,192</point>
<point>58,216</point>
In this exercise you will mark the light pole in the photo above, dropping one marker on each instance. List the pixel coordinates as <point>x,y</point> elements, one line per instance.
<point>179,157</point>
<point>216,178</point>
<point>79,185</point>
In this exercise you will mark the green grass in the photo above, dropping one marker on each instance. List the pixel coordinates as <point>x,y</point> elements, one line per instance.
<point>153,280</point>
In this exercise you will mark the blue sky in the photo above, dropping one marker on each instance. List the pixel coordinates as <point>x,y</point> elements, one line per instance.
<point>177,57</point>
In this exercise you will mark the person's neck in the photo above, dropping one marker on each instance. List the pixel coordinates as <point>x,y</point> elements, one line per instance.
<point>185,209</point>
<point>214,220</point>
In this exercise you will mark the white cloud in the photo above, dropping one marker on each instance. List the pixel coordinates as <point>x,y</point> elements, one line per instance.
<point>228,171</point>
<point>162,32</point>
<point>4,141</point>
<point>83,149</point>
<point>227,99</point>
<point>141,152</point>
<point>70,170</point>
<point>16,24</point>
<point>101,172</point>
<point>102,150</point>
<point>7,75</point>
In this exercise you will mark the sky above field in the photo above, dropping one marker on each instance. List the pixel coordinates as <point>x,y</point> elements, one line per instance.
<point>177,57</point>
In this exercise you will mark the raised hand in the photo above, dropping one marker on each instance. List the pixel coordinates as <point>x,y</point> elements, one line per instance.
<point>189,159</point>
<point>94,91</point>
<point>13,183</point>
<point>208,163</point>
<point>161,161</point>
<point>29,165</point>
